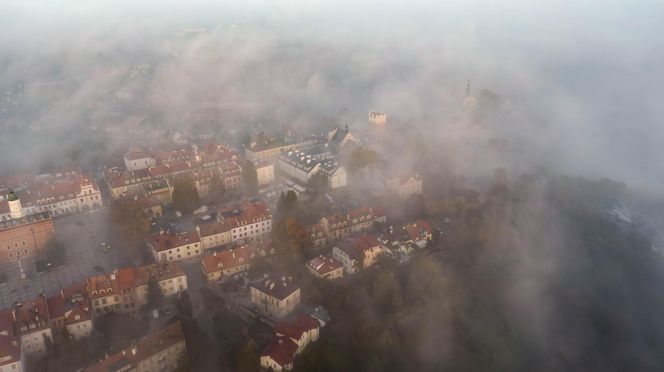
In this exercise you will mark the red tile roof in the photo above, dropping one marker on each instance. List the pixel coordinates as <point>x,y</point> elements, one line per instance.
<point>165,241</point>
<point>225,259</point>
<point>10,350</point>
<point>418,230</point>
<point>281,350</point>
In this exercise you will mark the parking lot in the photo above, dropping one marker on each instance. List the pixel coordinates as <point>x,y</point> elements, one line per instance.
<point>82,236</point>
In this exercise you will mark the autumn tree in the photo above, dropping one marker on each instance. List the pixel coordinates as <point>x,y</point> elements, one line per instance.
<point>250,178</point>
<point>247,359</point>
<point>155,296</point>
<point>134,224</point>
<point>185,195</point>
<point>217,188</point>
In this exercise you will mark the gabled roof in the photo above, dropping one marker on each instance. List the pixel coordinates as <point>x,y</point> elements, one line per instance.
<point>281,350</point>
<point>418,230</point>
<point>323,264</point>
<point>166,241</point>
<point>225,259</point>
<point>277,287</point>
<point>10,350</point>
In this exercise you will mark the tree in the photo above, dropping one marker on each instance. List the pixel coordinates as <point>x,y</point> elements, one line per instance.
<point>361,157</point>
<point>185,195</point>
<point>287,204</point>
<point>217,188</point>
<point>133,222</point>
<point>155,296</point>
<point>250,178</point>
<point>246,359</point>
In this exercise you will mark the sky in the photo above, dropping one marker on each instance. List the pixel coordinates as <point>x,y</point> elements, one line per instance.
<point>583,79</point>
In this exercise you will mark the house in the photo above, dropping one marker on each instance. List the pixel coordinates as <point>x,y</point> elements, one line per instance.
<point>170,276</point>
<point>405,186</point>
<point>325,267</point>
<point>170,246</point>
<point>339,226</point>
<point>303,330</point>
<point>224,264</point>
<point>70,310</point>
<point>279,354</point>
<point>249,221</point>
<point>32,326</point>
<point>163,350</point>
<point>339,138</point>
<point>361,252</point>
<point>11,354</point>
<point>265,172</point>
<point>125,290</point>
<point>214,234</point>
<point>137,158</point>
<point>419,233</point>
<point>277,296</point>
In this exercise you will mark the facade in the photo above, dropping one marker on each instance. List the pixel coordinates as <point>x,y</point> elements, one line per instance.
<point>265,172</point>
<point>214,234</point>
<point>361,252</point>
<point>163,350</point>
<point>325,267</point>
<point>249,221</point>
<point>70,309</point>
<point>25,236</point>
<point>137,158</point>
<point>126,289</point>
<point>169,246</point>
<point>279,354</point>
<point>10,354</point>
<point>58,195</point>
<point>225,264</point>
<point>278,296</point>
<point>405,186</point>
<point>169,275</point>
<point>303,165</point>
<point>335,227</point>
<point>32,324</point>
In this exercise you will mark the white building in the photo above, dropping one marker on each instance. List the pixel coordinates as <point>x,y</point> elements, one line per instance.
<point>168,246</point>
<point>265,172</point>
<point>278,296</point>
<point>137,158</point>
<point>405,186</point>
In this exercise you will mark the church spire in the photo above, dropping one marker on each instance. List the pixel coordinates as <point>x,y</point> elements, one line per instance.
<point>468,89</point>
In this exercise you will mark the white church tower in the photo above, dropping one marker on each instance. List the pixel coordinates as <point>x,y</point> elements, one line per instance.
<point>15,208</point>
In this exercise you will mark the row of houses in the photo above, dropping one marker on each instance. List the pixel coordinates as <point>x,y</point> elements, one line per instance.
<point>239,224</point>
<point>154,173</point>
<point>338,226</point>
<point>60,193</point>
<point>28,328</point>
<point>353,254</point>
<point>161,350</point>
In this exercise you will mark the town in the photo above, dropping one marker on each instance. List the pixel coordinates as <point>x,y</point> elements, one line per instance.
<point>172,233</point>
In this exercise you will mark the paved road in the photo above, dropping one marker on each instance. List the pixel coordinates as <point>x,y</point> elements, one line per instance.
<point>81,234</point>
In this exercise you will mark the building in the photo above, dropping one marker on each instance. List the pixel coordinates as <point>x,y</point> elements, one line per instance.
<point>361,252</point>
<point>404,186</point>
<point>11,354</point>
<point>277,296</point>
<point>114,292</point>
<point>25,236</point>
<point>70,310</point>
<point>214,234</point>
<point>265,172</point>
<point>249,221</point>
<point>279,354</point>
<point>335,174</point>
<point>59,194</point>
<point>126,289</point>
<point>325,267</point>
<point>339,138</point>
<point>170,276</point>
<point>290,339</point>
<point>272,148</point>
<point>335,227</point>
<point>302,165</point>
<point>170,246</point>
<point>377,119</point>
<point>225,264</point>
<point>164,350</point>
<point>137,158</point>
<point>419,233</point>
<point>32,326</point>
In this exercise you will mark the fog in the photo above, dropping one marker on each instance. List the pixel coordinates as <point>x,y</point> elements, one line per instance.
<point>582,80</point>
<point>579,89</point>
